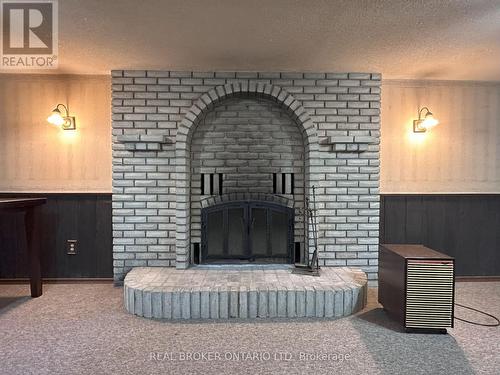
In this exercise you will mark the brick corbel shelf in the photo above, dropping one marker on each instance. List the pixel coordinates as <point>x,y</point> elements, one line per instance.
<point>142,142</point>
<point>349,143</point>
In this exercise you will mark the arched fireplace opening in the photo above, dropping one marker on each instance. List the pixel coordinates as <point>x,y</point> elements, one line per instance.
<point>247,144</point>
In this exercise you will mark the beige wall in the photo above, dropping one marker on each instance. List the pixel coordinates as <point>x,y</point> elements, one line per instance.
<point>38,157</point>
<point>462,154</point>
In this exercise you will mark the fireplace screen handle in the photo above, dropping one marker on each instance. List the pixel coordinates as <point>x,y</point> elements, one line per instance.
<point>243,224</point>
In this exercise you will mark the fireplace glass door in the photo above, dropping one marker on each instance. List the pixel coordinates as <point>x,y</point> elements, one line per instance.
<point>247,232</point>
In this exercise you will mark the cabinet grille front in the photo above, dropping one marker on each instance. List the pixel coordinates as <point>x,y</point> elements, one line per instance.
<point>417,287</point>
<point>429,294</point>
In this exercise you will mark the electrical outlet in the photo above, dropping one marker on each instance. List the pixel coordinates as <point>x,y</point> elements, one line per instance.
<point>71,247</point>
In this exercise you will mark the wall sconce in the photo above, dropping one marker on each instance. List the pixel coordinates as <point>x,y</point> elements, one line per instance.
<point>424,123</point>
<point>66,122</point>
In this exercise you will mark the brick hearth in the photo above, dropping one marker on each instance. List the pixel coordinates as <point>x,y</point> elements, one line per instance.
<point>256,292</point>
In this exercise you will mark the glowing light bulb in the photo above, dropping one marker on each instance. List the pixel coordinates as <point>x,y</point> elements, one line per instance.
<point>429,121</point>
<point>55,118</point>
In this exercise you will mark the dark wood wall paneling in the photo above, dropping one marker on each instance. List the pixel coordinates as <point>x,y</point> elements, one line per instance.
<point>82,217</point>
<point>465,226</point>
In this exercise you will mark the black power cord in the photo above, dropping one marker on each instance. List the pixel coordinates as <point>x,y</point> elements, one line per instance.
<point>481,312</point>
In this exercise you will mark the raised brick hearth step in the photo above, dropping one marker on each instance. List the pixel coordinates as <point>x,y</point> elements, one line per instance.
<point>258,292</point>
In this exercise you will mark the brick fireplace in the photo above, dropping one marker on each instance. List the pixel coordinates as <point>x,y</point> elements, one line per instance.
<point>188,143</point>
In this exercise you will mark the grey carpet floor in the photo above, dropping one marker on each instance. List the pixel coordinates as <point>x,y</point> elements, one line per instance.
<point>83,329</point>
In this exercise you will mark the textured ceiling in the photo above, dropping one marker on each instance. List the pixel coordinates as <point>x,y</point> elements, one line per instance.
<point>435,39</point>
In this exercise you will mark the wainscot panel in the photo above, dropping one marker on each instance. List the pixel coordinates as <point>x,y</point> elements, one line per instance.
<point>465,226</point>
<point>66,216</point>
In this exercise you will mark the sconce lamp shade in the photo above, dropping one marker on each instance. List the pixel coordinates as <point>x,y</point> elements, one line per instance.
<point>66,122</point>
<point>56,118</point>
<point>427,122</point>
